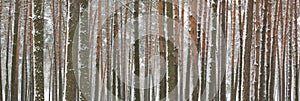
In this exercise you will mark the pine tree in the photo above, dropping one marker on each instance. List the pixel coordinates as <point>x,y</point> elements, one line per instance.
<point>15,55</point>
<point>257,50</point>
<point>38,53</point>
<point>24,61</point>
<point>136,48</point>
<point>162,47</point>
<point>71,86</point>
<point>246,75</point>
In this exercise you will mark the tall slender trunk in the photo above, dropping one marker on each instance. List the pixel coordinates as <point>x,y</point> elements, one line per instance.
<point>15,54</point>
<point>247,62</point>
<point>290,58</point>
<point>296,65</point>
<point>268,52</point>
<point>198,45</point>
<point>204,50</point>
<point>279,50</point>
<point>233,74</point>
<point>176,45</point>
<point>56,53</point>
<point>223,46</point>
<point>257,50</point>
<point>181,92</point>
<point>287,39</point>
<point>262,64</point>
<point>136,49</point>
<point>115,51</point>
<point>39,46</point>
<point>1,94</point>
<point>31,55</point>
<point>24,61</point>
<point>61,68</point>
<point>126,67</point>
<point>71,83</point>
<point>172,69</point>
<point>273,56</point>
<point>162,47</point>
<point>280,21</point>
<point>147,51</point>
<point>241,25</point>
<point>212,94</point>
<point>84,57</point>
<point>98,53</point>
<point>193,47</point>
<point>8,96</point>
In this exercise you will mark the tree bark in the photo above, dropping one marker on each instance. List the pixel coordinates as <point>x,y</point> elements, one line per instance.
<point>15,54</point>
<point>71,83</point>
<point>162,48</point>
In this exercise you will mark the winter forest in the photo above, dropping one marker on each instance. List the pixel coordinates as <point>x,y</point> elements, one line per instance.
<point>149,50</point>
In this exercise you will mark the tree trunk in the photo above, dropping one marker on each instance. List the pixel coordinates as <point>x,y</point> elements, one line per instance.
<point>296,65</point>
<point>262,66</point>
<point>98,54</point>
<point>15,55</point>
<point>212,94</point>
<point>71,83</point>
<point>136,49</point>
<point>247,62</point>
<point>24,61</point>
<point>233,75</point>
<point>1,93</point>
<point>273,56</point>
<point>38,53</point>
<point>257,50</point>
<point>162,48</point>
<point>223,46</point>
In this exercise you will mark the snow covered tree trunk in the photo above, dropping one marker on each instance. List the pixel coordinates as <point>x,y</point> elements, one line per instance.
<point>295,51</point>
<point>289,53</point>
<point>247,63</point>
<point>257,50</point>
<point>262,87</point>
<point>31,55</point>
<point>39,49</point>
<point>84,81</point>
<point>268,51</point>
<point>240,59</point>
<point>212,61</point>
<point>273,56</point>
<point>8,39</point>
<point>50,50</point>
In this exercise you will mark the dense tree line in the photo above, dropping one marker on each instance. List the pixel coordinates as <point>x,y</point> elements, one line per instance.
<point>140,50</point>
